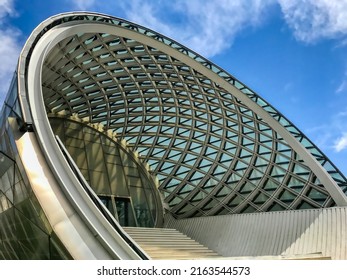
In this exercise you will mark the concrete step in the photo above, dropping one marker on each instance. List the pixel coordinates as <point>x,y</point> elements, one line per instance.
<point>168,243</point>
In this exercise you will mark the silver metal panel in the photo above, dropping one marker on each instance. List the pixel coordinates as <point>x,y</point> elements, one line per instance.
<point>285,233</point>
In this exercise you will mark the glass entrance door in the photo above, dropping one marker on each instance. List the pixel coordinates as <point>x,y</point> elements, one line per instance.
<point>121,208</point>
<point>125,211</point>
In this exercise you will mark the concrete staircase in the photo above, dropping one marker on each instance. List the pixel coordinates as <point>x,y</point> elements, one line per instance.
<point>167,243</point>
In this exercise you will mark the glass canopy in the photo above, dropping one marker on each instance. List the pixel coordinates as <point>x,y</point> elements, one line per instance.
<point>211,153</point>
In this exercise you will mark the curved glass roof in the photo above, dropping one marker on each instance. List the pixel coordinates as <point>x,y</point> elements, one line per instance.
<point>212,153</point>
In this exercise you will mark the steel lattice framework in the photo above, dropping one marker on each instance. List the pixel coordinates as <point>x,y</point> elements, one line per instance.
<point>215,145</point>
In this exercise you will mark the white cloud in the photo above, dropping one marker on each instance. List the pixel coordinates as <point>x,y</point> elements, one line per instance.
<point>6,8</point>
<point>332,135</point>
<point>343,86</point>
<point>9,47</point>
<point>136,9</point>
<point>9,52</point>
<point>312,20</point>
<point>341,143</point>
<point>208,27</point>
<point>83,5</point>
<point>216,23</point>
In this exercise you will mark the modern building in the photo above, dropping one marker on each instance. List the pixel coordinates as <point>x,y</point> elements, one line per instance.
<point>116,140</point>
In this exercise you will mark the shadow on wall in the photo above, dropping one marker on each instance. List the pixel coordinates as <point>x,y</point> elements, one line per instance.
<point>286,233</point>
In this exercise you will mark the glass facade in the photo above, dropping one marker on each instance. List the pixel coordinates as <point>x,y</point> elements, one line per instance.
<point>24,230</point>
<point>149,123</point>
<point>114,173</point>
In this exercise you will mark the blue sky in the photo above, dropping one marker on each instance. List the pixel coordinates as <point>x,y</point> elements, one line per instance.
<point>291,52</point>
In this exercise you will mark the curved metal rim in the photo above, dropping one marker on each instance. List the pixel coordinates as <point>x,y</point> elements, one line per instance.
<point>253,101</point>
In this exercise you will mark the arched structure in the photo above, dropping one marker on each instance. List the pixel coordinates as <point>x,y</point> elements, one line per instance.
<point>123,117</point>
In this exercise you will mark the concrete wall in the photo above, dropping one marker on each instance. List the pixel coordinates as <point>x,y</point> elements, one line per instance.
<point>287,233</point>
